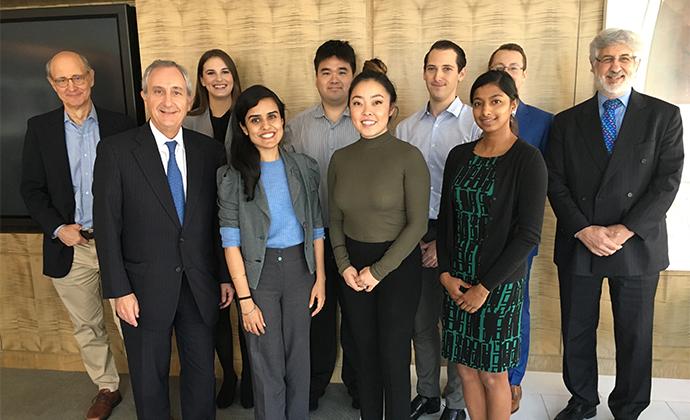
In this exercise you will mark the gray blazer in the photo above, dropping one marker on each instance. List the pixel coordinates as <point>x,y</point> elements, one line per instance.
<point>253,217</point>
<point>202,124</point>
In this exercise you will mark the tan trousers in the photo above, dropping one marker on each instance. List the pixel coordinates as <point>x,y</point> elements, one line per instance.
<point>80,292</point>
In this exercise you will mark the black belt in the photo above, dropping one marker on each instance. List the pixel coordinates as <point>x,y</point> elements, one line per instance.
<point>87,234</point>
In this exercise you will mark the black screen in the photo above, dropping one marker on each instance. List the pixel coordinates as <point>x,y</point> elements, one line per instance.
<point>26,44</point>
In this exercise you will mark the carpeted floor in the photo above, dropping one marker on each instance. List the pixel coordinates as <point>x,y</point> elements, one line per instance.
<point>49,395</point>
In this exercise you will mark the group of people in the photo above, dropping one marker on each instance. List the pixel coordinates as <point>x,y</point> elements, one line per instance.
<point>219,198</point>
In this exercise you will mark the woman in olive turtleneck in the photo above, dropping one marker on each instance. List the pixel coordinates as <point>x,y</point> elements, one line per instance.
<point>379,200</point>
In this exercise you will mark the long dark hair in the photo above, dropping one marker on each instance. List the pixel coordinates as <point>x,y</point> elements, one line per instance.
<point>200,104</point>
<point>244,156</point>
<point>505,82</point>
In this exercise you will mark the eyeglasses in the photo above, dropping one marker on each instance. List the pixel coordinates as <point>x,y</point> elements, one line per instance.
<point>623,59</point>
<point>77,79</point>
<point>509,69</point>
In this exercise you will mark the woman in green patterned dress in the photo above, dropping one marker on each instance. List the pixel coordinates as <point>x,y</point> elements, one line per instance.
<point>492,208</point>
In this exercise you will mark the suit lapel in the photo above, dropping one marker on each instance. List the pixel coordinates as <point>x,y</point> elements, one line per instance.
<point>261,200</point>
<point>149,160</point>
<point>195,167</point>
<point>206,126</point>
<point>522,117</point>
<point>293,177</point>
<point>589,123</point>
<point>632,125</point>
<point>58,147</point>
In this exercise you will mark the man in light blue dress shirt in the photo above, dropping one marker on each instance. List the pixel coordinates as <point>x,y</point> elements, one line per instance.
<point>442,124</point>
<point>318,132</point>
<point>57,173</point>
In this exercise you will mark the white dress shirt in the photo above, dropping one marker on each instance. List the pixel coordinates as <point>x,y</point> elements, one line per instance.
<point>180,155</point>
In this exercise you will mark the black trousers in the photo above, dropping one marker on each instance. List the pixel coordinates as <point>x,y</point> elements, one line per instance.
<point>225,347</point>
<point>148,357</point>
<point>632,301</point>
<point>323,340</point>
<point>382,324</point>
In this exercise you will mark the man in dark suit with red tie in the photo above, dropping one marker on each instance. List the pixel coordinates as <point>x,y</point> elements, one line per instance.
<point>615,165</point>
<point>158,245</point>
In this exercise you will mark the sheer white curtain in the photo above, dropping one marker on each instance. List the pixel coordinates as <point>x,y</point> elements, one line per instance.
<point>664,26</point>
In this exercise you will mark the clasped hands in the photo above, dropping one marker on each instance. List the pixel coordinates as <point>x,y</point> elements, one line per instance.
<point>604,241</point>
<point>471,299</point>
<point>362,281</point>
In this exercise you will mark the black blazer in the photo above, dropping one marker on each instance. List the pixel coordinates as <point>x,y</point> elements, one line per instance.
<point>635,186</point>
<point>142,248</point>
<point>46,184</point>
<point>516,213</point>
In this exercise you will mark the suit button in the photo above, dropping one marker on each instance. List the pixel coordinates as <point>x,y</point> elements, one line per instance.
<point>261,237</point>
<point>583,198</point>
<point>178,269</point>
<point>181,239</point>
<point>643,161</point>
<point>629,194</point>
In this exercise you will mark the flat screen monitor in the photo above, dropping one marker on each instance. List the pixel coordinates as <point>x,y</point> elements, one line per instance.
<point>105,35</point>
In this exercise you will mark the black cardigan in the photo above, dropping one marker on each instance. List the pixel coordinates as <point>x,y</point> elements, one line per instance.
<point>516,213</point>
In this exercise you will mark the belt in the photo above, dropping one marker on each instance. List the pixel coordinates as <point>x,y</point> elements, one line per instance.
<point>87,234</point>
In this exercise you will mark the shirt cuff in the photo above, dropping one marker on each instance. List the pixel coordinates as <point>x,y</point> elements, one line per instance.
<point>230,236</point>
<point>319,233</point>
<point>57,229</point>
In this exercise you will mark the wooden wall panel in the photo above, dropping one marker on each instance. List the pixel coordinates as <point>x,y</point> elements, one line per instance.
<point>273,43</point>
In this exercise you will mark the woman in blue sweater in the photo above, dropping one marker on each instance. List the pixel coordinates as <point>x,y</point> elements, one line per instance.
<point>273,237</point>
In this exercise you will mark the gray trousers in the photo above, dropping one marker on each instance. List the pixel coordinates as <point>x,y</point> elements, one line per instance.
<point>280,357</point>
<point>427,344</point>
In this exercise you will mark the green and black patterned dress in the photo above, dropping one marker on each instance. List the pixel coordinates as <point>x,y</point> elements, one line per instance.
<point>489,339</point>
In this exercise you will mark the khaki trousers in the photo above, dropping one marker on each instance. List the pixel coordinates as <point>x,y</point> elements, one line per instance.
<point>80,291</point>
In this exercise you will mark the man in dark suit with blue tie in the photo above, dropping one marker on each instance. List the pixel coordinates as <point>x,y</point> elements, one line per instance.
<point>615,164</point>
<point>533,126</point>
<point>158,245</point>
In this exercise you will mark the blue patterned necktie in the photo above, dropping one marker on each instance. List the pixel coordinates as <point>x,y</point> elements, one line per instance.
<point>608,122</point>
<point>175,181</point>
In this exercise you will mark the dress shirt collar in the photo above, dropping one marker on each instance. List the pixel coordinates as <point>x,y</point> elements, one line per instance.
<point>161,139</point>
<point>454,108</point>
<point>92,116</point>
<point>624,98</point>
<point>319,112</point>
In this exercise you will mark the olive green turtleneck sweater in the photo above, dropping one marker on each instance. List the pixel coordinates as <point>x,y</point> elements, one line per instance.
<point>378,191</point>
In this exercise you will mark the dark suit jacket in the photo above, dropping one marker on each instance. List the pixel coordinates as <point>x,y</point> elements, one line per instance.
<point>635,186</point>
<point>142,248</point>
<point>47,181</point>
<point>534,125</point>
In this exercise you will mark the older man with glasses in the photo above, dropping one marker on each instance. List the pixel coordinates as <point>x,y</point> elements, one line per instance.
<point>615,164</point>
<point>57,173</point>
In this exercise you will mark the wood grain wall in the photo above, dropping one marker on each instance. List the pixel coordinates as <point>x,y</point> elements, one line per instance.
<point>273,43</point>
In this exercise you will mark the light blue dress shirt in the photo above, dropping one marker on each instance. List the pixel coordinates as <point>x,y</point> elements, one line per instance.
<point>618,112</point>
<point>313,134</point>
<point>81,150</point>
<point>435,137</point>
